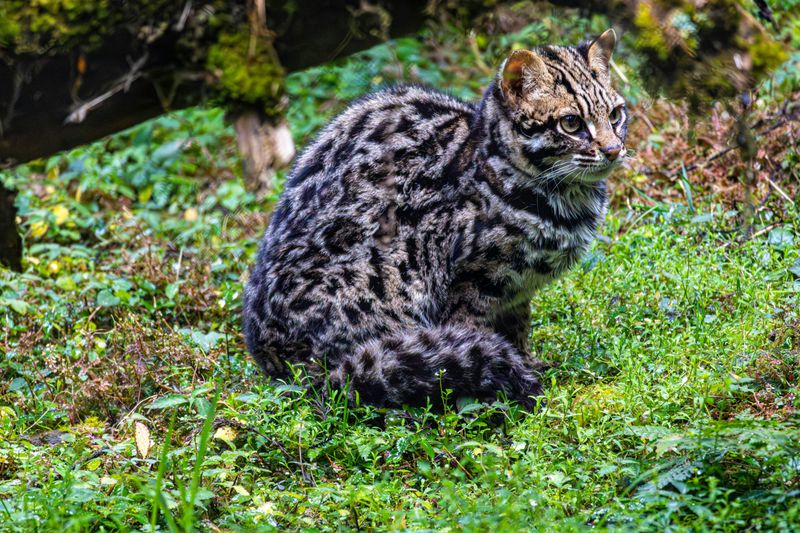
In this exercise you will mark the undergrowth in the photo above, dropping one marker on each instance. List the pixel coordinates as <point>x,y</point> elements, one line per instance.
<point>127,400</point>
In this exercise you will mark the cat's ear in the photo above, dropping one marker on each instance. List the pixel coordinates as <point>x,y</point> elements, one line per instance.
<point>522,69</point>
<point>598,54</point>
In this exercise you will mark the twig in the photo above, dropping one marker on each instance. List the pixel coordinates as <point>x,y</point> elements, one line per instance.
<point>646,120</point>
<point>166,98</point>
<point>759,233</point>
<point>454,458</point>
<point>763,204</point>
<point>762,231</point>
<point>19,78</point>
<point>178,266</point>
<point>780,191</point>
<point>476,52</point>
<point>619,72</point>
<point>306,476</point>
<point>184,16</point>
<point>122,84</point>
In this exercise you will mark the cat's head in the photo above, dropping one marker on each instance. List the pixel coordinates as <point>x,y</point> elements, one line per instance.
<point>563,118</point>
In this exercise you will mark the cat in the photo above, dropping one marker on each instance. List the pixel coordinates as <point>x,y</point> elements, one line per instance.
<point>412,233</point>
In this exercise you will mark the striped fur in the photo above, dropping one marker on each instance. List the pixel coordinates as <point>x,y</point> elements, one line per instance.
<point>414,230</point>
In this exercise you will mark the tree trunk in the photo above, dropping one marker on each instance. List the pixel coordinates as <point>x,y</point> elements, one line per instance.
<point>10,242</point>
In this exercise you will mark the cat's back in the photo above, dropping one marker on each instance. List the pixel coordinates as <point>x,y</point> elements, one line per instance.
<point>398,131</point>
<point>356,219</point>
<point>387,152</point>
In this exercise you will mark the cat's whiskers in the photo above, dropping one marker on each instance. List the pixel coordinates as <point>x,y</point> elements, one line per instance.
<point>558,171</point>
<point>567,171</point>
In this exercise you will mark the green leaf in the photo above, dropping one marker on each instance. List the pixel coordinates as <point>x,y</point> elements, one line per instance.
<point>796,268</point>
<point>702,218</point>
<point>66,283</point>
<point>106,298</point>
<point>557,478</point>
<point>248,397</point>
<point>202,406</point>
<point>468,404</point>
<point>17,384</point>
<point>286,387</point>
<point>172,290</point>
<point>203,494</point>
<point>206,341</point>
<point>168,151</point>
<point>780,237</point>
<point>592,259</point>
<point>19,306</point>
<point>168,401</point>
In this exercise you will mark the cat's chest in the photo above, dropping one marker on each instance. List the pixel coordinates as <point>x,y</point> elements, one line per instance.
<point>531,264</point>
<point>530,268</point>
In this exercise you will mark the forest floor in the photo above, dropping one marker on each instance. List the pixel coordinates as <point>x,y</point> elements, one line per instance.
<point>127,399</point>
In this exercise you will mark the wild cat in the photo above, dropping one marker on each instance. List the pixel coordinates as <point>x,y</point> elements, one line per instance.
<point>413,232</point>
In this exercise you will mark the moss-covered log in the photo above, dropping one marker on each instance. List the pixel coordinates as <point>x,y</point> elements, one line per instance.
<point>72,72</point>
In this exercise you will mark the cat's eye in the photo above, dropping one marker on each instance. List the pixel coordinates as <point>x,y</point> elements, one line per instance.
<point>571,123</point>
<point>615,117</point>
<point>528,130</point>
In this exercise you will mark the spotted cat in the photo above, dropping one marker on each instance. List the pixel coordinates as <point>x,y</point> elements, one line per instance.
<point>413,232</point>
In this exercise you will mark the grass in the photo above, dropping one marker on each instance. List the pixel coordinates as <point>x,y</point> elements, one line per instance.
<point>127,401</point>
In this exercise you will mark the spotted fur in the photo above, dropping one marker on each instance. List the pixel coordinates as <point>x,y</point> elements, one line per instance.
<point>413,232</point>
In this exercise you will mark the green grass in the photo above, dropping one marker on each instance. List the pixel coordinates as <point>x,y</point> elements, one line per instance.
<point>672,404</point>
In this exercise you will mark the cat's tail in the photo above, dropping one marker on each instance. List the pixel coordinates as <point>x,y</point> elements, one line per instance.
<point>415,366</point>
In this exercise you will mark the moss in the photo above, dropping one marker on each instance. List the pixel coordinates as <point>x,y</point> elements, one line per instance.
<point>691,52</point>
<point>57,26</point>
<point>217,39</point>
<point>651,36</point>
<point>766,54</point>
<point>247,73</point>
<point>9,30</point>
<point>47,26</point>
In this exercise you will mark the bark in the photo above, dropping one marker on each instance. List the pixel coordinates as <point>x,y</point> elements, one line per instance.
<point>265,146</point>
<point>10,242</point>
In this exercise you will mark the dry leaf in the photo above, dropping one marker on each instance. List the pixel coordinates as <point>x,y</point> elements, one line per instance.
<point>143,441</point>
<point>226,433</point>
<point>39,228</point>
<point>60,213</point>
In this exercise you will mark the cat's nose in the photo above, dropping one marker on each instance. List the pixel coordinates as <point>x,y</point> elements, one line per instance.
<point>612,152</point>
